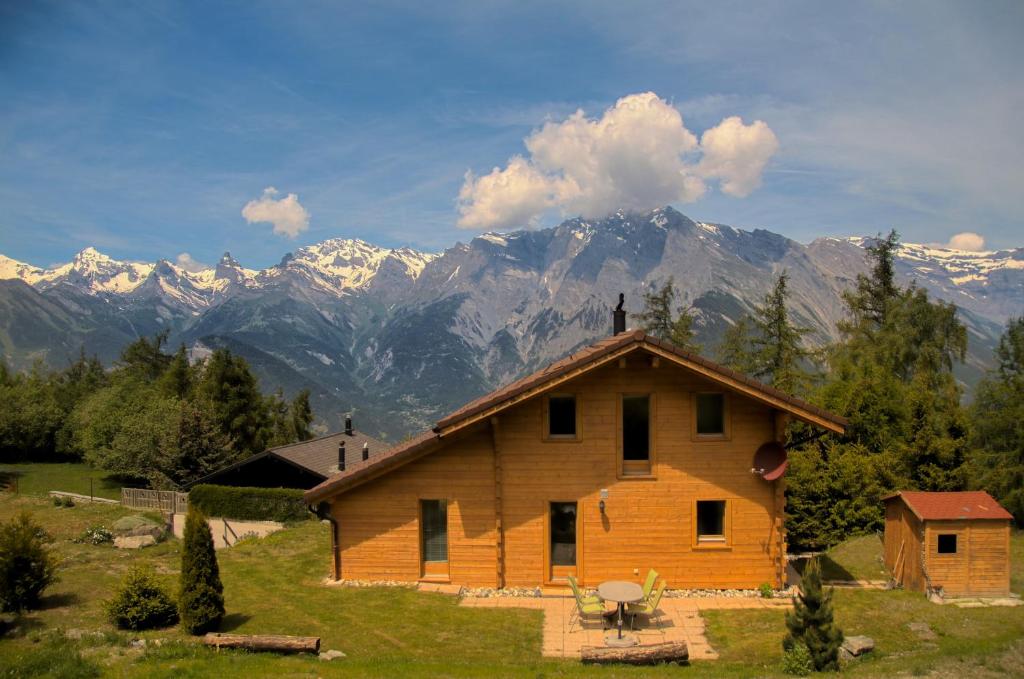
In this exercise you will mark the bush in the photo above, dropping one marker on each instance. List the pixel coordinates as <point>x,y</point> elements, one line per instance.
<point>26,565</point>
<point>140,603</point>
<point>63,501</point>
<point>253,504</point>
<point>201,602</point>
<point>797,660</point>
<point>95,535</point>
<point>766,591</point>
<point>811,622</point>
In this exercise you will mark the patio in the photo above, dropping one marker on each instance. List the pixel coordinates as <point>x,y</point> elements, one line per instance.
<point>680,620</point>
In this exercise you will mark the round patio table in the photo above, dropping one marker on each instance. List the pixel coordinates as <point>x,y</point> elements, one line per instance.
<point>622,593</point>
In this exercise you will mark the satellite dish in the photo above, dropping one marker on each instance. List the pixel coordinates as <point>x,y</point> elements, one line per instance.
<point>770,461</point>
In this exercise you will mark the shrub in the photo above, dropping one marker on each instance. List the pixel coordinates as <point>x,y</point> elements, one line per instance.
<point>811,621</point>
<point>140,603</point>
<point>201,602</point>
<point>26,565</point>
<point>797,660</point>
<point>63,501</point>
<point>766,591</point>
<point>95,535</point>
<point>253,504</point>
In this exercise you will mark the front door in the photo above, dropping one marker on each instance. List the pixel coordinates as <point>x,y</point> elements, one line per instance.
<point>562,541</point>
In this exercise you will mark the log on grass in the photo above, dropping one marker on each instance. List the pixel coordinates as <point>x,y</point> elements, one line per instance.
<point>670,651</point>
<point>264,642</point>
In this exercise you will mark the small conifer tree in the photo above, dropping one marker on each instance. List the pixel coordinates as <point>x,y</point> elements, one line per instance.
<point>201,602</point>
<point>811,621</point>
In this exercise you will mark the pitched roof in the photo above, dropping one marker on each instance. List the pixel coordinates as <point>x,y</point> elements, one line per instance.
<point>951,506</point>
<point>593,356</point>
<point>318,455</point>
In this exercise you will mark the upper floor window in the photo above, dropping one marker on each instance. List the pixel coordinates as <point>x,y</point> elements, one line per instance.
<point>710,414</point>
<point>562,416</point>
<point>636,427</point>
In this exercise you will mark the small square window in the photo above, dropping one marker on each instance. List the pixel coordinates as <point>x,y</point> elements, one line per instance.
<point>711,521</point>
<point>947,543</point>
<point>710,414</point>
<point>562,416</point>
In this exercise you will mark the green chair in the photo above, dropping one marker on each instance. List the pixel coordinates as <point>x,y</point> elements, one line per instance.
<point>586,607</point>
<point>648,607</point>
<point>585,598</point>
<point>652,577</point>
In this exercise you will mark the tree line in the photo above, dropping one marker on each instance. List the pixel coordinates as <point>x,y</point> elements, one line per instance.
<point>154,416</point>
<point>891,375</point>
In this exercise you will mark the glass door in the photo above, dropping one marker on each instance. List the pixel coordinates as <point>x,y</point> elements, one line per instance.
<point>562,547</point>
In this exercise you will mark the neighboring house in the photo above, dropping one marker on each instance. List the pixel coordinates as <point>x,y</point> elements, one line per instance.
<point>299,465</point>
<point>956,542</point>
<point>627,455</point>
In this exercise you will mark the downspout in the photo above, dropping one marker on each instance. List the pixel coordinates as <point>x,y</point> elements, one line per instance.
<point>323,512</point>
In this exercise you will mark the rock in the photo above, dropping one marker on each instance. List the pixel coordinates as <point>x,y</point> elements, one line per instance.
<point>331,655</point>
<point>135,525</point>
<point>138,643</point>
<point>845,656</point>
<point>134,541</point>
<point>857,645</point>
<point>923,630</point>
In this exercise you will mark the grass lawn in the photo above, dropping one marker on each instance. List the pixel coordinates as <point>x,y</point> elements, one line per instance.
<point>42,477</point>
<point>859,558</point>
<point>273,585</point>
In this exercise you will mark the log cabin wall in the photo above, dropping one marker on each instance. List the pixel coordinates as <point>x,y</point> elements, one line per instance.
<point>979,567</point>
<point>648,522</point>
<point>904,546</point>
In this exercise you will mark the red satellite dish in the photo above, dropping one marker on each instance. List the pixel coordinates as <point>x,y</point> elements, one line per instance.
<point>770,461</point>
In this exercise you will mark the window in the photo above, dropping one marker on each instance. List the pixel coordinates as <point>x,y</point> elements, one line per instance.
<point>636,427</point>
<point>947,543</point>
<point>710,414</point>
<point>562,416</point>
<point>711,521</point>
<point>563,533</point>
<point>434,530</point>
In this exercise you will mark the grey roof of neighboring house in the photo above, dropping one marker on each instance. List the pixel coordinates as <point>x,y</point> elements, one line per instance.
<point>320,455</point>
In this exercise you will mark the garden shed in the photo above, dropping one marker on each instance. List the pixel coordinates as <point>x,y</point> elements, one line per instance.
<point>957,543</point>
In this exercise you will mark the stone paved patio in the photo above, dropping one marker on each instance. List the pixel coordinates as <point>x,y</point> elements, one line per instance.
<point>679,620</point>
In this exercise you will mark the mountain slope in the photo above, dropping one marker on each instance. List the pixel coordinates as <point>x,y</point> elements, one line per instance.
<point>403,337</point>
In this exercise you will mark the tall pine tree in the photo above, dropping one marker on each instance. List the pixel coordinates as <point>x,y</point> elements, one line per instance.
<point>659,320</point>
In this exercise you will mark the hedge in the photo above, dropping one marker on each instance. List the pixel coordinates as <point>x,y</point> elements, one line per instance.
<point>250,504</point>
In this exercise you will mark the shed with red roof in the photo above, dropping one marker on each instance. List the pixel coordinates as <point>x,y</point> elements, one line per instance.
<point>957,543</point>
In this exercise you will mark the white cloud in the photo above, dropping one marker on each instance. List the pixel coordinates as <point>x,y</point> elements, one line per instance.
<point>185,261</point>
<point>967,240</point>
<point>286,214</point>
<point>637,155</point>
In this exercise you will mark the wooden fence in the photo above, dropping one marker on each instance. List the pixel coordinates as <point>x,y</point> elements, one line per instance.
<point>169,501</point>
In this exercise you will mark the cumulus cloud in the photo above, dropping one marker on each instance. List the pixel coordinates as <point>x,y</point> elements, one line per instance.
<point>637,155</point>
<point>186,262</point>
<point>967,240</point>
<point>286,214</point>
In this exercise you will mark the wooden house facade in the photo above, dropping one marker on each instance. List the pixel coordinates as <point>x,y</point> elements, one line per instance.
<point>954,542</point>
<point>628,455</point>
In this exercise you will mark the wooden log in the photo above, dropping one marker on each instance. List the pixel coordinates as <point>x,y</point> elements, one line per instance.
<point>671,651</point>
<point>264,642</point>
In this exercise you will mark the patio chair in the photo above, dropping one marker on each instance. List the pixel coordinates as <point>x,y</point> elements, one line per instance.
<point>652,577</point>
<point>648,607</point>
<point>585,598</point>
<point>586,607</point>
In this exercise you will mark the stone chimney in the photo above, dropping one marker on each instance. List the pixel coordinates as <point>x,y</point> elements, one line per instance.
<point>619,316</point>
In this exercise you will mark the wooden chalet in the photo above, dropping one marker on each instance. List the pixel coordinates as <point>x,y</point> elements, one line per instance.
<point>300,465</point>
<point>956,543</point>
<point>627,455</point>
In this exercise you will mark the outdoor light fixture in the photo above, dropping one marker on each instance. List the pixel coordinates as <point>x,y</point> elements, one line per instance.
<point>604,496</point>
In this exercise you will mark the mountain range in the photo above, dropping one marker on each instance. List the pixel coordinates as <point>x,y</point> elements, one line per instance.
<point>400,337</point>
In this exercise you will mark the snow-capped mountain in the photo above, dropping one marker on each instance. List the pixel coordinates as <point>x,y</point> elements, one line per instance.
<point>403,336</point>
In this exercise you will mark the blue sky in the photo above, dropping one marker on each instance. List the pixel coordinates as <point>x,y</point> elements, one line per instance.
<point>144,130</point>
